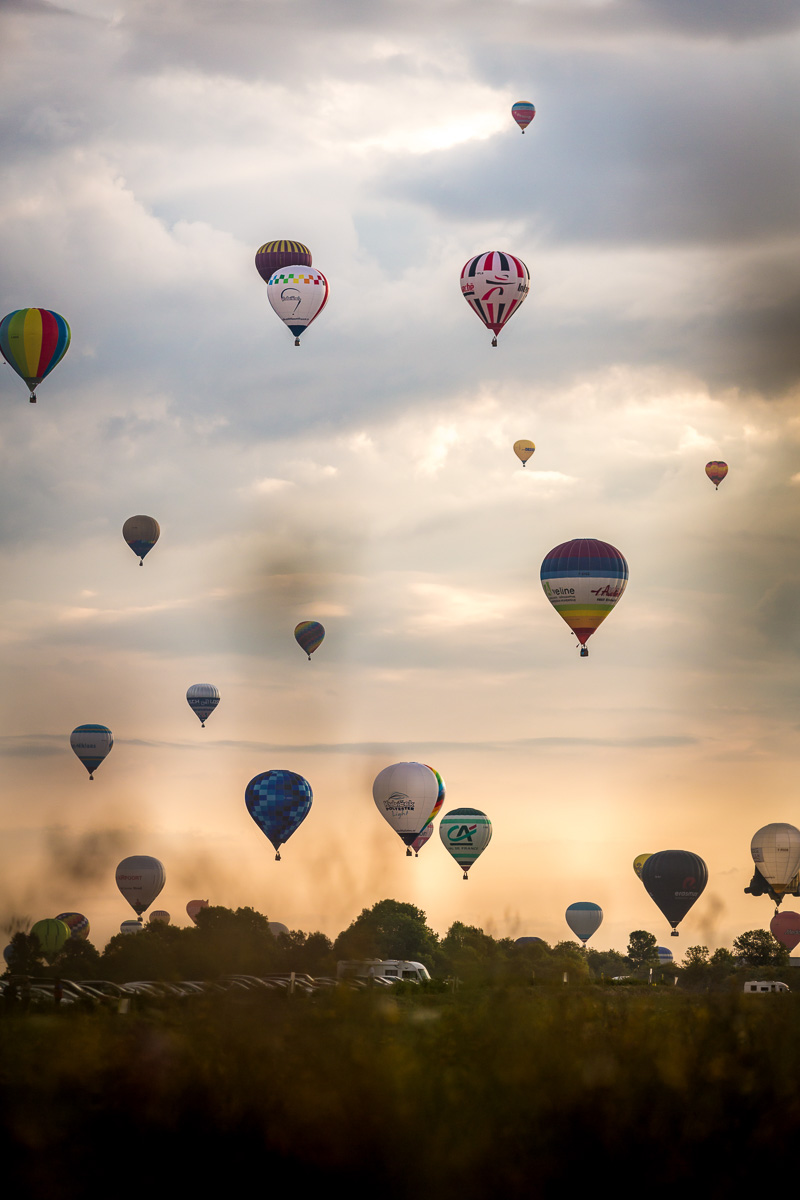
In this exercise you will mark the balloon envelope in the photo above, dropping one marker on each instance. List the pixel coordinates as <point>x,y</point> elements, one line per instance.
<point>298,295</point>
<point>141,533</point>
<point>523,113</point>
<point>716,472</point>
<point>785,928</point>
<point>583,579</point>
<point>309,636</point>
<point>465,832</point>
<point>776,852</point>
<point>523,449</point>
<point>140,878</point>
<point>584,918</point>
<point>131,926</point>
<point>51,935</point>
<point>159,916</point>
<point>674,879</point>
<point>272,256</point>
<point>33,341</point>
<point>91,743</point>
<point>202,699</point>
<point>638,863</point>
<point>194,907</point>
<point>77,924</point>
<point>278,801</point>
<point>494,285</point>
<point>664,955</point>
<point>407,794</point>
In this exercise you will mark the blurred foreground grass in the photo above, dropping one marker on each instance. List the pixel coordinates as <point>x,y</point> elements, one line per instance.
<point>527,1093</point>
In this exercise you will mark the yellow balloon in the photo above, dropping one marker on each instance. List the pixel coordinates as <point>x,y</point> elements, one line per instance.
<point>523,449</point>
<point>639,862</point>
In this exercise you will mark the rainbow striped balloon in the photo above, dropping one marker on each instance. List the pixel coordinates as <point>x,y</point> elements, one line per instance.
<point>309,636</point>
<point>33,341</point>
<point>583,580</point>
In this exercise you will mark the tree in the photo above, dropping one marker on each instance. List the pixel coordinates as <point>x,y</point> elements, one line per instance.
<point>758,948</point>
<point>608,963</point>
<point>25,955</point>
<point>642,949</point>
<point>390,929</point>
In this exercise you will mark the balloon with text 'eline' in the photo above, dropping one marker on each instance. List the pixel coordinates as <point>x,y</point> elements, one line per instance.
<point>584,579</point>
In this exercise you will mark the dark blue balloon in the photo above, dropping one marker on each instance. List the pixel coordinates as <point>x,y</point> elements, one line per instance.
<point>278,801</point>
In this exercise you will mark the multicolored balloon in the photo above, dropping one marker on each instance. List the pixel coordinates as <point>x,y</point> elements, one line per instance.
<point>309,636</point>
<point>158,916</point>
<point>77,924</point>
<point>716,472</point>
<point>421,838</point>
<point>91,743</point>
<point>583,580</point>
<point>776,852</point>
<point>674,879</point>
<point>202,699</point>
<point>407,795</point>
<point>523,113</point>
<point>141,533</point>
<point>278,801</point>
<point>272,256</point>
<point>494,285</point>
<point>523,449</point>
<point>465,832</point>
<point>584,919</point>
<point>298,295</point>
<point>785,928</point>
<point>33,341</point>
<point>194,907</point>
<point>52,935</point>
<point>140,878</point>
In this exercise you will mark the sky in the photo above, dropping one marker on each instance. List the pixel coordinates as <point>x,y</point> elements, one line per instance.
<point>366,479</point>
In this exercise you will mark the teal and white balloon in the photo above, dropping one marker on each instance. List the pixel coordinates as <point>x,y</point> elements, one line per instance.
<point>465,832</point>
<point>584,918</point>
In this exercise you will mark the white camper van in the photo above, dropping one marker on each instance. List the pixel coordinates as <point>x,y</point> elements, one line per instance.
<point>391,969</point>
<point>765,985</point>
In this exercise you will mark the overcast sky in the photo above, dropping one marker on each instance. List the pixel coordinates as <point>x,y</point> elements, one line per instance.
<point>367,480</point>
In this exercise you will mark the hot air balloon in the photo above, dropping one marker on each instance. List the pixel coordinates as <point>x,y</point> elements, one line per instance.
<point>194,907</point>
<point>716,472</point>
<point>523,113</point>
<point>140,878</point>
<point>141,534</point>
<point>202,699</point>
<point>785,928</point>
<point>674,879</point>
<point>465,832</point>
<point>33,341</point>
<point>583,580</point>
<point>52,936</point>
<point>407,794</point>
<point>77,924</point>
<point>664,955</point>
<point>494,285</point>
<point>273,256</point>
<point>421,838</point>
<point>277,927</point>
<point>298,295</point>
<point>638,863</point>
<point>776,852</point>
<point>584,919</point>
<point>309,636</point>
<point>131,926</point>
<point>278,801</point>
<point>529,941</point>
<point>523,449</point>
<point>159,916</point>
<point>91,743</point>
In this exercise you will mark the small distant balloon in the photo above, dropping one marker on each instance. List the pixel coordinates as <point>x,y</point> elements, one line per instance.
<point>202,699</point>
<point>529,941</point>
<point>309,636</point>
<point>52,935</point>
<point>141,533</point>
<point>91,743</point>
<point>785,928</point>
<point>664,955</point>
<point>584,918</point>
<point>273,256</point>
<point>523,113</point>
<point>140,878</point>
<point>77,924</point>
<point>276,927</point>
<point>33,341</point>
<point>495,284</point>
<point>158,916</point>
<point>716,472</point>
<point>638,863</point>
<point>194,907</point>
<point>465,833</point>
<point>131,926</point>
<point>523,449</point>
<point>583,580</point>
<point>278,801</point>
<point>298,295</point>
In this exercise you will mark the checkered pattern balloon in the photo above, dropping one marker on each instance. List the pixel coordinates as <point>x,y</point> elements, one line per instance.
<point>278,801</point>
